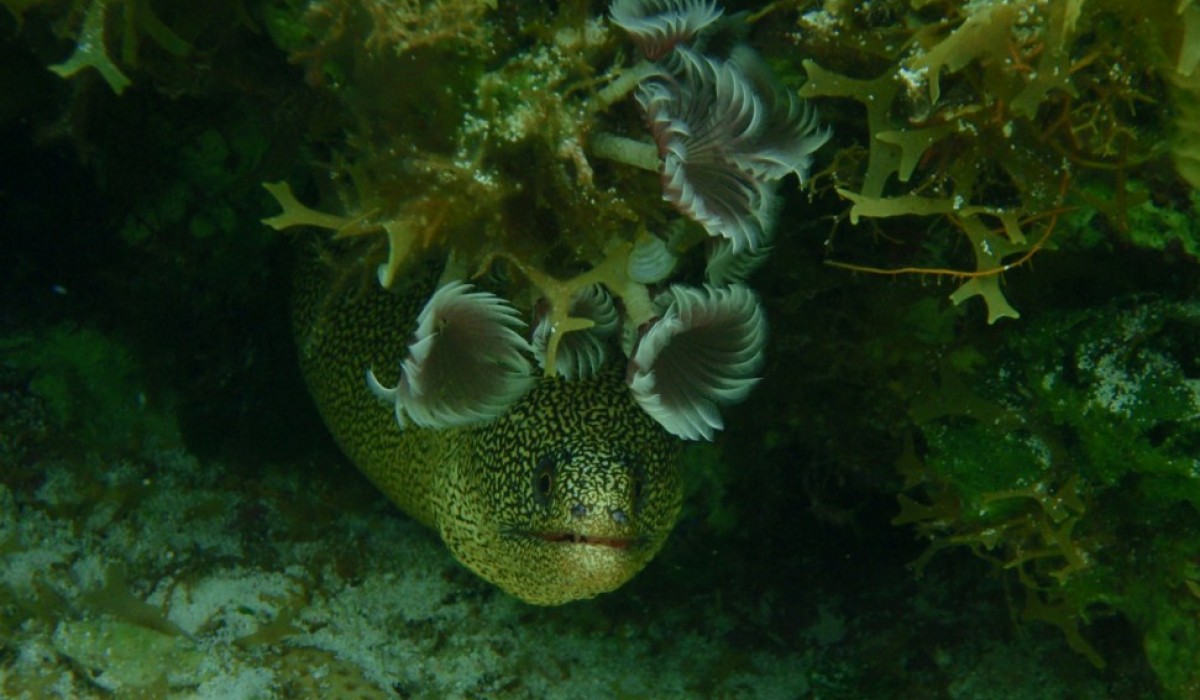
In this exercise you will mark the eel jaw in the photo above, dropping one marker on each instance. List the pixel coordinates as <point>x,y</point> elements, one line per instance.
<point>593,540</point>
<point>552,565</point>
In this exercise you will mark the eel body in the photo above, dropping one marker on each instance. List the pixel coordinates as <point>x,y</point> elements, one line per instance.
<point>567,495</point>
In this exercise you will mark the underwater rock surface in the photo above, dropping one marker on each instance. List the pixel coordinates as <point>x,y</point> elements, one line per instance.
<point>171,577</point>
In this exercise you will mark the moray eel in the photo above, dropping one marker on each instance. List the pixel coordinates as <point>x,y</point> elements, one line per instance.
<point>566,496</point>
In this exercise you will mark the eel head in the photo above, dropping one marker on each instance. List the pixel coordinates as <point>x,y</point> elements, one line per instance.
<point>566,496</point>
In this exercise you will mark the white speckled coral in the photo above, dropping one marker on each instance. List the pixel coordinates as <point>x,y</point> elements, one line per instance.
<point>705,350</point>
<point>467,362</point>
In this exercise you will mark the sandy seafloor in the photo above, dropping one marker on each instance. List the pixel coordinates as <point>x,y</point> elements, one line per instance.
<point>164,576</point>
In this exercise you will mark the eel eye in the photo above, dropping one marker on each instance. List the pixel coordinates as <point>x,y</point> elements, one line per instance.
<point>543,480</point>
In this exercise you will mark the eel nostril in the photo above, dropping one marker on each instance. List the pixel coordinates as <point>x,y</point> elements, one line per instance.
<point>579,510</point>
<point>619,516</point>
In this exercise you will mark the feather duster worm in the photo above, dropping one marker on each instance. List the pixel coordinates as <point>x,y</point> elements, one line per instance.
<point>467,362</point>
<point>658,26</point>
<point>725,142</point>
<point>704,351</point>
<point>580,354</point>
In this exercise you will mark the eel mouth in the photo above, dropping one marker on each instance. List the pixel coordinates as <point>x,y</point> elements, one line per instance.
<point>577,538</point>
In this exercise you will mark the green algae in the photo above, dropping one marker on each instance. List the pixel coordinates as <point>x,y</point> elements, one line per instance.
<point>209,167</point>
<point>91,52</point>
<point>1089,464</point>
<point>124,657</point>
<point>93,386</point>
<point>1167,229</point>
